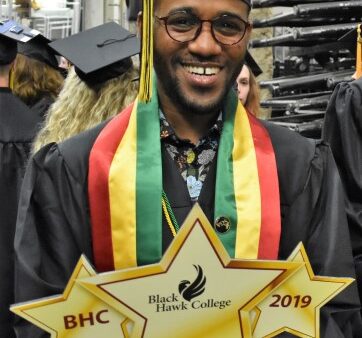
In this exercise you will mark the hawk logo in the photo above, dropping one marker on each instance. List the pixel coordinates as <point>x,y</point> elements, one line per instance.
<point>190,290</point>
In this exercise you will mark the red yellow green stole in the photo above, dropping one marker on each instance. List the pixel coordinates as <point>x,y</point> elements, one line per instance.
<point>125,188</point>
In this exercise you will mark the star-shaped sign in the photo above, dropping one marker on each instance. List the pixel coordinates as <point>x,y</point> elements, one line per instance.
<point>195,291</point>
<point>295,305</point>
<point>76,313</point>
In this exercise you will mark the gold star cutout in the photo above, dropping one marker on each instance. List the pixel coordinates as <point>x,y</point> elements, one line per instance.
<point>75,313</point>
<point>295,305</point>
<point>195,291</point>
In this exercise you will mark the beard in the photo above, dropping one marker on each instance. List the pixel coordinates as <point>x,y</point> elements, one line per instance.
<point>173,88</point>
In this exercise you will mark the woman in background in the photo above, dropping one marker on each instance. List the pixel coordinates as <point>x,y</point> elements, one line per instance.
<point>37,78</point>
<point>81,106</point>
<point>248,90</point>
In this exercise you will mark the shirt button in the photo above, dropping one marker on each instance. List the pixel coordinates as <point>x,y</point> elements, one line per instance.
<point>222,224</point>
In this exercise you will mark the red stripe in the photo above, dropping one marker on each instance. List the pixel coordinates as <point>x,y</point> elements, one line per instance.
<point>269,189</point>
<point>100,161</point>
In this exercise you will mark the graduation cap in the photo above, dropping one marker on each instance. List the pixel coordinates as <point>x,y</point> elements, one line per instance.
<point>100,53</point>
<point>353,41</point>
<point>252,64</point>
<point>38,49</point>
<point>12,32</point>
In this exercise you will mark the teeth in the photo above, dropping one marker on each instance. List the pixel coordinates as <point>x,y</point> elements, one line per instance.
<point>202,70</point>
<point>211,71</point>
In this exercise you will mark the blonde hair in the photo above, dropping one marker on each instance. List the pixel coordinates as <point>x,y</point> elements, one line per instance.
<point>34,79</point>
<point>80,107</point>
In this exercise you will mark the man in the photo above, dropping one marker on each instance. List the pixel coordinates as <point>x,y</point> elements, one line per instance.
<point>100,192</point>
<point>17,129</point>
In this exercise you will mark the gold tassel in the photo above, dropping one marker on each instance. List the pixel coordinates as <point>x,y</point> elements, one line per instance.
<point>359,53</point>
<point>145,91</point>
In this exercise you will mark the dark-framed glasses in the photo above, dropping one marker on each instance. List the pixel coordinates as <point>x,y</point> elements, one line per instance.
<point>183,26</point>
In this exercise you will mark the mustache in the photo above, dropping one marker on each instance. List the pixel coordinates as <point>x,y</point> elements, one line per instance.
<point>198,60</point>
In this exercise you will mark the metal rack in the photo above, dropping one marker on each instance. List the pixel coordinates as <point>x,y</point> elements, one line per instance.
<point>310,58</point>
<point>57,19</point>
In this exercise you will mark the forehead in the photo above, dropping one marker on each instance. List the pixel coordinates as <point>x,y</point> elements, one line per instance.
<point>244,74</point>
<point>207,8</point>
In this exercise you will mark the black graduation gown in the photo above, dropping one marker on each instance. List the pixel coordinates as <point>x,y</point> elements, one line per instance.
<point>343,131</point>
<point>53,231</point>
<point>41,106</point>
<point>17,129</point>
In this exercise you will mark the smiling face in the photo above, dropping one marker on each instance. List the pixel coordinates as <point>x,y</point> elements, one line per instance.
<point>194,77</point>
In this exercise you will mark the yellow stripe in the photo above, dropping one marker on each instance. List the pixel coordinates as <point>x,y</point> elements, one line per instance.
<point>122,196</point>
<point>247,188</point>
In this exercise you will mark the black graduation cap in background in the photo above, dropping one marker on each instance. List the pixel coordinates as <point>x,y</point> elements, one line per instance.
<point>252,64</point>
<point>100,53</point>
<point>12,32</point>
<point>349,40</point>
<point>38,49</point>
<point>353,41</point>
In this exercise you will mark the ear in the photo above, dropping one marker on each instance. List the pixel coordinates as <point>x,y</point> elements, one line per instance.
<point>139,23</point>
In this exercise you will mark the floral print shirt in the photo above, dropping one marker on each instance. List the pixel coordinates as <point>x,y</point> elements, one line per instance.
<point>192,160</point>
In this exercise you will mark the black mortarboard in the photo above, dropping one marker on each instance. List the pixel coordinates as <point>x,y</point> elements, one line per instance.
<point>38,49</point>
<point>252,64</point>
<point>10,33</point>
<point>353,41</point>
<point>349,40</point>
<point>100,53</point>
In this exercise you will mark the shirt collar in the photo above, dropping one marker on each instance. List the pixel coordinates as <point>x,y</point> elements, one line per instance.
<point>167,131</point>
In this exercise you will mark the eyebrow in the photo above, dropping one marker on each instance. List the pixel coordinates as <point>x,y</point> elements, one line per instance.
<point>192,11</point>
<point>181,9</point>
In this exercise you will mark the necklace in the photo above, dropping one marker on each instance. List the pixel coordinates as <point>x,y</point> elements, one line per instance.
<point>169,215</point>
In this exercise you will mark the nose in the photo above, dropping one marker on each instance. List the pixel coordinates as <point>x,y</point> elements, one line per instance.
<point>205,43</point>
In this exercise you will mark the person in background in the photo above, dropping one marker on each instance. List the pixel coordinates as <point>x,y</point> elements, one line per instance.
<point>248,90</point>
<point>81,106</point>
<point>133,8</point>
<point>64,63</point>
<point>18,127</point>
<point>37,78</point>
<point>342,130</point>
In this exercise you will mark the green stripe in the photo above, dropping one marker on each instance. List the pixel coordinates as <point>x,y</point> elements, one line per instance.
<point>225,204</point>
<point>149,182</point>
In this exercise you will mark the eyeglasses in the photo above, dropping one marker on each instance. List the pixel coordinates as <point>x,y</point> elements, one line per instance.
<point>184,27</point>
